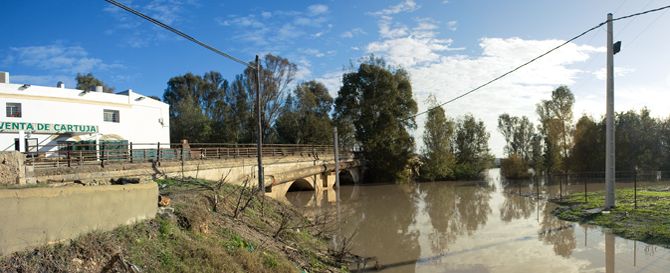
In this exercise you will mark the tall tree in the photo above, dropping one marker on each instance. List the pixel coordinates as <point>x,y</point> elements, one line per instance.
<point>276,76</point>
<point>377,99</point>
<point>187,117</point>
<point>305,118</point>
<point>588,152</point>
<point>518,133</point>
<point>88,82</point>
<point>471,148</point>
<point>556,127</point>
<point>438,158</point>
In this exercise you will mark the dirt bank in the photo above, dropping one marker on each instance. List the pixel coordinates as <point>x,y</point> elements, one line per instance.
<point>207,227</point>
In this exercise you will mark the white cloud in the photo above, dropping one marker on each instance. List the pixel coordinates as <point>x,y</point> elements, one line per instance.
<point>408,47</point>
<point>317,53</point>
<point>277,30</point>
<point>618,72</point>
<point>317,9</point>
<point>304,69</point>
<point>405,6</point>
<point>57,57</point>
<point>452,25</point>
<point>135,30</point>
<point>409,51</point>
<point>244,21</point>
<point>352,33</point>
<point>332,81</point>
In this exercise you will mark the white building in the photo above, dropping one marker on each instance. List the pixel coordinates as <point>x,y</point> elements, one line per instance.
<point>49,117</point>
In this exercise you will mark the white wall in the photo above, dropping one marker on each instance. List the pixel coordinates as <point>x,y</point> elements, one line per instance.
<point>139,120</point>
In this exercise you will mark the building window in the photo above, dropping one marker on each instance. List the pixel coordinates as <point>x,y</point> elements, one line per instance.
<point>13,110</point>
<point>111,115</point>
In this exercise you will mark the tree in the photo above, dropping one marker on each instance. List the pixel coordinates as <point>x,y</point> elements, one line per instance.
<point>88,82</point>
<point>471,148</point>
<point>588,152</point>
<point>188,120</point>
<point>438,158</point>
<point>523,146</point>
<point>556,127</point>
<point>377,100</point>
<point>306,119</point>
<point>518,133</point>
<point>637,142</point>
<point>276,76</point>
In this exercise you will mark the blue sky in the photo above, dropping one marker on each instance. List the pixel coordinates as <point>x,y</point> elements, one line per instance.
<point>447,46</point>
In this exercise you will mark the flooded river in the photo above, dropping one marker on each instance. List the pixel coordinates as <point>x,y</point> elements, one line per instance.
<point>486,226</point>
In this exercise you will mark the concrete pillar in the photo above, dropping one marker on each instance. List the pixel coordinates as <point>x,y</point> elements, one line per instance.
<point>331,195</point>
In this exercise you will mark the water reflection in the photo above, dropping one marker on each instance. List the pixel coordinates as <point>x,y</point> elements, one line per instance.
<point>455,210</point>
<point>381,219</point>
<point>556,232</point>
<point>486,226</point>
<point>515,206</point>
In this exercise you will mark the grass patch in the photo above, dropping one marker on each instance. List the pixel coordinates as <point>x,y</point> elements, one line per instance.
<point>649,223</point>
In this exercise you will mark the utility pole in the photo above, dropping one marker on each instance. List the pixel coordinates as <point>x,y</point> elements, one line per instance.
<point>609,146</point>
<point>259,145</point>
<point>337,163</point>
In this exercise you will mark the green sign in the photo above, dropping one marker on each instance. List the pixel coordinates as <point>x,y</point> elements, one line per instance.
<point>9,126</point>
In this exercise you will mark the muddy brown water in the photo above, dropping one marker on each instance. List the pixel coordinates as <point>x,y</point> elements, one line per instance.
<point>484,226</point>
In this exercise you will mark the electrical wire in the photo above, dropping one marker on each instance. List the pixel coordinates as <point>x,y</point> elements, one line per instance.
<point>536,58</point>
<point>180,33</point>
<point>640,13</point>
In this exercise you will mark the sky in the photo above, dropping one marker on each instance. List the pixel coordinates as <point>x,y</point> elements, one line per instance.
<point>447,46</point>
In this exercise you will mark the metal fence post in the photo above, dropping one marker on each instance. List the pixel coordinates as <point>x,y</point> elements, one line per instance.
<point>586,198</point>
<point>103,154</point>
<point>635,189</point>
<point>560,188</point>
<point>69,156</point>
<point>130,155</point>
<point>158,152</point>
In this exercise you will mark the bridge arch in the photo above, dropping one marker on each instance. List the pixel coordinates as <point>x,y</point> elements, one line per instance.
<point>348,177</point>
<point>301,185</point>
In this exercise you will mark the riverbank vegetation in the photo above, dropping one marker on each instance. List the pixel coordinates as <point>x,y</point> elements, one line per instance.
<point>453,149</point>
<point>649,222</point>
<point>556,145</point>
<point>208,227</point>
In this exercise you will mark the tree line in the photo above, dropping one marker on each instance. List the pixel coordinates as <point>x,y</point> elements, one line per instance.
<point>557,145</point>
<point>374,110</point>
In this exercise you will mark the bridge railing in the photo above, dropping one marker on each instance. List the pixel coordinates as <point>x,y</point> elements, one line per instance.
<point>81,154</point>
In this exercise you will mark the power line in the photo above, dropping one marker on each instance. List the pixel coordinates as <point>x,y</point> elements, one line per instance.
<point>536,58</point>
<point>182,34</point>
<point>640,13</point>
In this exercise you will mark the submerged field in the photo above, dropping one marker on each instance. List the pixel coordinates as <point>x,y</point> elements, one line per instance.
<point>207,227</point>
<point>649,222</point>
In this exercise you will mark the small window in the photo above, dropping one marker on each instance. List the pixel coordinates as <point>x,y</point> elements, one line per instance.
<point>13,110</point>
<point>111,115</point>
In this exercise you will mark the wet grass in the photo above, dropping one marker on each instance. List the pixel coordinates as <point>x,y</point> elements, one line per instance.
<point>649,222</point>
<point>194,238</point>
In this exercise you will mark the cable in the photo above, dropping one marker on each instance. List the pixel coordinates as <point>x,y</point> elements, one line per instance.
<point>641,13</point>
<point>536,58</point>
<point>182,34</point>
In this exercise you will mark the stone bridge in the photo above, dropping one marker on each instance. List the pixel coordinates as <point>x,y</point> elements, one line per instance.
<point>316,178</point>
<point>308,168</point>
